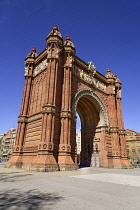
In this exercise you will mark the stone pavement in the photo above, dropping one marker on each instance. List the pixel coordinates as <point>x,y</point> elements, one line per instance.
<point>84,189</point>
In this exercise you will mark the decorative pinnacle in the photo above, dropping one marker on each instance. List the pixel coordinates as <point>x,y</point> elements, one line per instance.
<point>68,38</point>
<point>108,70</point>
<point>32,53</point>
<point>56,27</point>
<point>33,49</point>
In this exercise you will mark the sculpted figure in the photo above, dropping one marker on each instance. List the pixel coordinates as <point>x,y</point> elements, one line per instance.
<point>91,67</point>
<point>120,93</point>
<point>113,89</point>
<point>69,60</point>
<point>26,70</point>
<point>81,73</point>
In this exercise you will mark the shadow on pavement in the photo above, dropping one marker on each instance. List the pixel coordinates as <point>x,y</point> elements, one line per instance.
<point>27,200</point>
<point>12,177</point>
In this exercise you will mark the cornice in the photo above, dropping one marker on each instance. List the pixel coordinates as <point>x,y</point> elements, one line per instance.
<point>40,57</point>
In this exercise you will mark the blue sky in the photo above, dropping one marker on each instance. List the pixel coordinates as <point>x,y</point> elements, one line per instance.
<point>104,31</point>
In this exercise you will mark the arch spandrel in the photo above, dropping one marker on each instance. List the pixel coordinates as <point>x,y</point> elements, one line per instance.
<point>95,97</point>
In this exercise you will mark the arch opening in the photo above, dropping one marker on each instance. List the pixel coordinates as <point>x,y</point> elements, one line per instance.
<point>89,114</point>
<point>93,117</point>
<point>78,137</point>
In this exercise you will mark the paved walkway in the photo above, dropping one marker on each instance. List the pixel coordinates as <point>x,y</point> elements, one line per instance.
<point>84,189</point>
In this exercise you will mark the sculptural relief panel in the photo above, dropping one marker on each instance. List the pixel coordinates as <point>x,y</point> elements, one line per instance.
<point>78,84</point>
<point>88,78</point>
<point>40,67</point>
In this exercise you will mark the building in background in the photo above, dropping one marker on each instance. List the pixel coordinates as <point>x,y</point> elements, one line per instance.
<point>133,145</point>
<point>7,142</point>
<point>1,138</point>
<point>78,142</point>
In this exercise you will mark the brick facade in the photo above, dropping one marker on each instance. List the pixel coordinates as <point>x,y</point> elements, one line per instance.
<point>57,84</point>
<point>133,145</point>
<point>7,142</point>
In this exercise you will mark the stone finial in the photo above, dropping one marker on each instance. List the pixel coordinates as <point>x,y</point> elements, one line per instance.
<point>33,53</point>
<point>33,49</point>
<point>55,31</point>
<point>108,70</point>
<point>114,76</point>
<point>55,27</point>
<point>68,41</point>
<point>68,38</point>
<point>109,74</point>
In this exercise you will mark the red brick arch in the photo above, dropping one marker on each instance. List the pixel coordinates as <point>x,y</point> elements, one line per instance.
<point>57,83</point>
<point>96,98</point>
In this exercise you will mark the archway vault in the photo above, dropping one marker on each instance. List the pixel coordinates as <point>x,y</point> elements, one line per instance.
<point>93,117</point>
<point>97,102</point>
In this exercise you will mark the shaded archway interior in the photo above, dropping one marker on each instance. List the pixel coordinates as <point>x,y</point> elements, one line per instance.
<point>89,112</point>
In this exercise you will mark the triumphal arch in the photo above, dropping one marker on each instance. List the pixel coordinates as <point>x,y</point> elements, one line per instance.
<point>57,85</point>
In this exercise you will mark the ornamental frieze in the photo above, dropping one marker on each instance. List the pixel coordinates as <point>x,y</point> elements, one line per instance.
<point>22,119</point>
<point>35,117</point>
<point>46,146</point>
<point>40,67</point>
<point>32,149</point>
<point>122,132</point>
<point>64,148</point>
<point>88,78</point>
<point>48,110</point>
<point>113,130</point>
<point>65,114</point>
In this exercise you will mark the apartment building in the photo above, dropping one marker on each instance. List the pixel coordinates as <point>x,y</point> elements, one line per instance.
<point>133,145</point>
